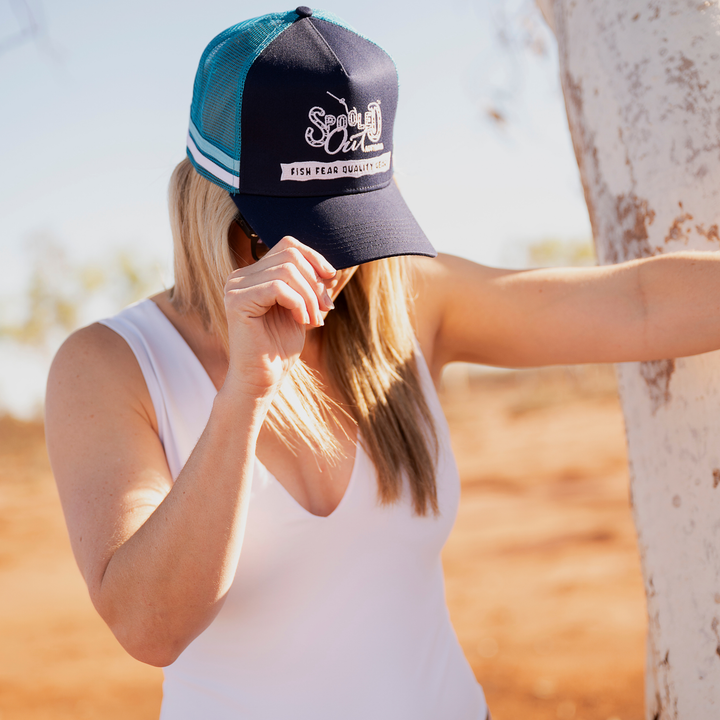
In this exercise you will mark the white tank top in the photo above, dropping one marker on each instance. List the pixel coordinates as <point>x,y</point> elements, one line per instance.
<point>328,618</point>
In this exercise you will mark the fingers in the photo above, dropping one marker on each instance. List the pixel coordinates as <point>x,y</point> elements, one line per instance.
<point>260,290</point>
<point>310,291</point>
<point>322,267</point>
<point>300,267</point>
<point>256,301</point>
<point>280,293</point>
<point>313,266</point>
<point>292,258</point>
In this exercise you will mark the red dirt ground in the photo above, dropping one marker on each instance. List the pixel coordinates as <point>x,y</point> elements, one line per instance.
<point>543,578</point>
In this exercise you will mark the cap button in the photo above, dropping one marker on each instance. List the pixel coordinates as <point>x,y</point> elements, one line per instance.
<point>304,11</point>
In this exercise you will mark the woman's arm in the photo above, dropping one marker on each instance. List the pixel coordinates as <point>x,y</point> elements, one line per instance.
<point>661,307</point>
<point>158,557</point>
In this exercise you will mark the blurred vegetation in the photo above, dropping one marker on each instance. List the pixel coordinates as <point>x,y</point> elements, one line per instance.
<point>554,252</point>
<point>60,291</point>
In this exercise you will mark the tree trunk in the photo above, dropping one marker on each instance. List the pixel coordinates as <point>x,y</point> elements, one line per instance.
<point>641,80</point>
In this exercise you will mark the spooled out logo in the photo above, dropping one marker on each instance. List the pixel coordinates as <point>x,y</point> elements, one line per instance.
<point>345,132</point>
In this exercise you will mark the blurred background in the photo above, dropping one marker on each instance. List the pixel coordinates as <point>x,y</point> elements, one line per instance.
<point>543,580</point>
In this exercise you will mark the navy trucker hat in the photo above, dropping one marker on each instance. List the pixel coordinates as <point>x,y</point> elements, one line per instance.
<point>293,113</point>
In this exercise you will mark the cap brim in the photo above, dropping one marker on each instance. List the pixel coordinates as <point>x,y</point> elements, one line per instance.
<point>346,229</point>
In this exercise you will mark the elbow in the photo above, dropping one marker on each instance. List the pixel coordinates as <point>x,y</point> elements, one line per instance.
<point>156,659</point>
<point>150,647</point>
<point>154,635</point>
<point>147,637</point>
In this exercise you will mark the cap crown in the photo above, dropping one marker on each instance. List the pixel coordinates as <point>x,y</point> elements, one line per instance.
<point>285,105</point>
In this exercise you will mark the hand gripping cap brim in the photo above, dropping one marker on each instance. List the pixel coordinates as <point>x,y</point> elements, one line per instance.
<point>347,230</point>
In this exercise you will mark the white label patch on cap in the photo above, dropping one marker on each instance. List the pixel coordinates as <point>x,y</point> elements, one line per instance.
<point>302,171</point>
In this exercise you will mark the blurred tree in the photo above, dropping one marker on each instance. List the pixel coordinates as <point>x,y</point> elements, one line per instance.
<point>59,290</point>
<point>554,252</point>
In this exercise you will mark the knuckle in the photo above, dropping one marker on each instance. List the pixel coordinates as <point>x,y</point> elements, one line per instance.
<point>294,254</point>
<point>287,269</point>
<point>232,299</point>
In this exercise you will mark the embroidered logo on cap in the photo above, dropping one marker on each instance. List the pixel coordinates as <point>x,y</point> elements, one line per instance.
<point>344,132</point>
<point>332,132</point>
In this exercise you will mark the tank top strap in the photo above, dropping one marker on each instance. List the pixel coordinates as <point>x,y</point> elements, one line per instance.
<point>181,391</point>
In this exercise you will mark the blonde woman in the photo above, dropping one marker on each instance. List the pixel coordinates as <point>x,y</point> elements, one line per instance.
<point>254,467</point>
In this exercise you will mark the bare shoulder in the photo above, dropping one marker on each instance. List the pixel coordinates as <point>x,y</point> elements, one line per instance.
<point>93,367</point>
<point>438,280</point>
<point>443,287</point>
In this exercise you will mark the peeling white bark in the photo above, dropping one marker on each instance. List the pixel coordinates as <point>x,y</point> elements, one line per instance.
<point>641,80</point>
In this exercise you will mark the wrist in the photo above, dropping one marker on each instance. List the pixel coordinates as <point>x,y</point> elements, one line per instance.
<point>256,385</point>
<point>239,404</point>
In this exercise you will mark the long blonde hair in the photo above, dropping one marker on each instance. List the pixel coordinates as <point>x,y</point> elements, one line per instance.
<point>368,348</point>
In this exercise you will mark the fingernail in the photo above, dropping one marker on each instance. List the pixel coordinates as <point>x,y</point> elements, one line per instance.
<point>327,300</point>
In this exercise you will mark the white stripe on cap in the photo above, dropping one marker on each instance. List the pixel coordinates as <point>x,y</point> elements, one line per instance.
<point>206,164</point>
<point>211,151</point>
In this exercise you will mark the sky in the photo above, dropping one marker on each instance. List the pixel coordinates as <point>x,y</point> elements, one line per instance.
<point>94,115</point>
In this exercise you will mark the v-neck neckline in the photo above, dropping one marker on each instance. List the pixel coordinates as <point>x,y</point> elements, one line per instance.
<point>343,500</point>
<point>204,373</point>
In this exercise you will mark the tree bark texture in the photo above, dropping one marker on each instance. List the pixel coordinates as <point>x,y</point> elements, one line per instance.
<point>641,80</point>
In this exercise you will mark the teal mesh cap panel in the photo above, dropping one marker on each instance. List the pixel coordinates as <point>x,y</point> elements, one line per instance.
<point>217,95</point>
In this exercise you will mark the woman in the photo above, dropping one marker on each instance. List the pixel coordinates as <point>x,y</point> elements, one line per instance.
<point>254,468</point>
